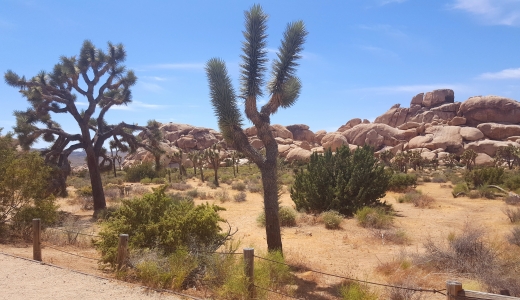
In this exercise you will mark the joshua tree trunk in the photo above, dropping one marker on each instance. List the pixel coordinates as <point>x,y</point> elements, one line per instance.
<point>272,222</point>
<point>95,180</point>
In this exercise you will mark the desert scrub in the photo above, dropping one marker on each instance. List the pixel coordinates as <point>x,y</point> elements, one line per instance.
<point>193,193</point>
<point>223,195</point>
<point>286,216</point>
<point>374,217</point>
<point>417,198</point>
<point>514,236</point>
<point>180,186</point>
<point>146,181</point>
<point>240,197</point>
<point>158,181</point>
<point>351,290</point>
<point>397,237</point>
<point>513,214</point>
<point>254,188</point>
<point>239,186</point>
<point>332,219</point>
<point>512,182</point>
<point>484,176</point>
<point>162,222</point>
<point>400,182</point>
<point>460,189</point>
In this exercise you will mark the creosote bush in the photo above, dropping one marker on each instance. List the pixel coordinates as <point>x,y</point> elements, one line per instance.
<point>332,219</point>
<point>240,197</point>
<point>137,172</point>
<point>352,290</point>
<point>484,176</point>
<point>344,182</point>
<point>374,217</point>
<point>162,222</point>
<point>287,217</point>
<point>400,182</point>
<point>417,198</point>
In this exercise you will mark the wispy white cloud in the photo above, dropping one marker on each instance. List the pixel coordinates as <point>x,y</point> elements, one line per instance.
<point>385,2</point>
<point>147,105</point>
<point>384,29</point>
<point>152,87</point>
<point>504,74</point>
<point>493,12</point>
<point>156,78</point>
<point>419,88</point>
<point>379,52</point>
<point>132,106</point>
<point>180,66</point>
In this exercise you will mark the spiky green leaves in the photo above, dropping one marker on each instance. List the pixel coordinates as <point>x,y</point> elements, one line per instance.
<point>223,97</point>
<point>284,67</point>
<point>254,48</point>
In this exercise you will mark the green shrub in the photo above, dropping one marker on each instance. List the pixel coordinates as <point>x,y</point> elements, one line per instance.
<point>180,186</point>
<point>343,182</point>
<point>460,189</point>
<point>400,182</point>
<point>46,210</point>
<point>512,182</point>
<point>374,217</point>
<point>484,176</point>
<point>84,191</point>
<point>426,179</point>
<point>332,219</point>
<point>287,216</point>
<point>146,181</point>
<point>158,181</point>
<point>158,221</point>
<point>222,196</point>
<point>193,193</point>
<point>486,192</point>
<point>239,186</point>
<point>352,290</point>
<point>255,188</point>
<point>137,172</point>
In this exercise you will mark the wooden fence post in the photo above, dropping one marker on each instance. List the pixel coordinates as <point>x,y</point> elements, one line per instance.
<point>122,251</point>
<point>37,249</point>
<point>452,289</point>
<point>249,260</point>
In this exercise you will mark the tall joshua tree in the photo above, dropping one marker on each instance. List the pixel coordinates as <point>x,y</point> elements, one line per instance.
<point>104,83</point>
<point>283,88</point>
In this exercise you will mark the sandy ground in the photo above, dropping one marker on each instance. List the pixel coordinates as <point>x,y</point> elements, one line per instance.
<point>351,251</point>
<point>23,279</point>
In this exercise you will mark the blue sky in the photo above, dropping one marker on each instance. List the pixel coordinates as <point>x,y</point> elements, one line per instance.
<point>361,56</point>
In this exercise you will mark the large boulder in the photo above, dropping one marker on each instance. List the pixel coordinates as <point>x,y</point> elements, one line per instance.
<point>438,97</point>
<point>457,121</point>
<point>487,109</point>
<point>298,154</point>
<point>377,135</point>
<point>489,147</point>
<point>445,137</point>
<point>281,131</point>
<point>417,99</point>
<point>471,134</point>
<point>484,160</point>
<point>394,117</point>
<point>204,138</point>
<point>497,131</point>
<point>251,131</point>
<point>187,142</point>
<point>172,127</point>
<point>333,140</point>
<point>301,132</point>
<point>319,135</point>
<point>350,124</point>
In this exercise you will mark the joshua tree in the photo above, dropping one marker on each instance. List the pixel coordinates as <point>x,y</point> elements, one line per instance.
<point>104,82</point>
<point>283,88</point>
<point>468,158</point>
<point>213,157</point>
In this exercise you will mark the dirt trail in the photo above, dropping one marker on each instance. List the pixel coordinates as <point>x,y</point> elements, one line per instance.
<point>24,279</point>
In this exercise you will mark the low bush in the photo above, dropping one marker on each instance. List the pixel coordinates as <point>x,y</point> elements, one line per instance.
<point>484,176</point>
<point>426,179</point>
<point>146,181</point>
<point>180,186</point>
<point>223,195</point>
<point>374,217</point>
<point>287,216</point>
<point>240,197</point>
<point>439,179</point>
<point>514,237</point>
<point>161,222</point>
<point>512,182</point>
<point>512,200</point>
<point>474,194</point>
<point>46,210</point>
<point>460,189</point>
<point>332,219</point>
<point>486,192</point>
<point>137,172</point>
<point>401,182</point>
<point>84,191</point>
<point>417,198</point>
<point>193,193</point>
<point>158,181</point>
<point>239,186</point>
<point>512,213</point>
<point>255,188</point>
<point>352,290</point>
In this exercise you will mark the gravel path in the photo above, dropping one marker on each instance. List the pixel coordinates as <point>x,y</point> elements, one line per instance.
<point>25,279</point>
